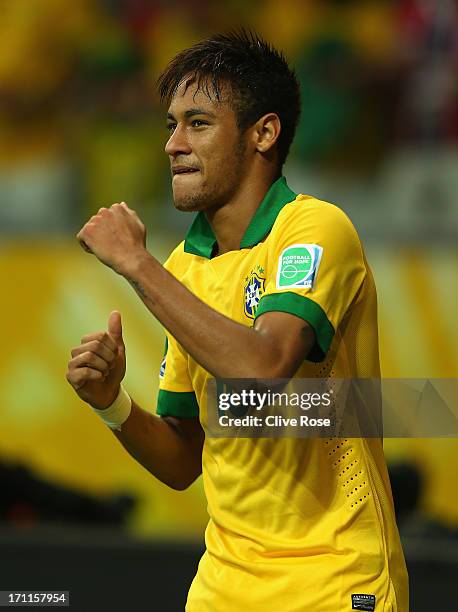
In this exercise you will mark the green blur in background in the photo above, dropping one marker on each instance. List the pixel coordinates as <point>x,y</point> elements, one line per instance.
<point>81,127</point>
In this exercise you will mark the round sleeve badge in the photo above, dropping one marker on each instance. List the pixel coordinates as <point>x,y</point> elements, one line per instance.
<point>298,266</point>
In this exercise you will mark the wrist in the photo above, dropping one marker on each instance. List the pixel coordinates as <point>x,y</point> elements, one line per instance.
<point>134,262</point>
<point>106,404</point>
<point>117,412</point>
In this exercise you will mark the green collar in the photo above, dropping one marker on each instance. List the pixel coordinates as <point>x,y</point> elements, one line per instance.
<point>200,239</point>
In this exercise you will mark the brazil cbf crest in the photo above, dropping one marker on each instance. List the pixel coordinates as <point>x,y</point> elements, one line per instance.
<point>253,289</point>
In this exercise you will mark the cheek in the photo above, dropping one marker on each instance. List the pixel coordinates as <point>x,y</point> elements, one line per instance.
<point>219,156</point>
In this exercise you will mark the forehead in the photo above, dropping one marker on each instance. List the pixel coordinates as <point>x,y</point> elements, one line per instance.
<point>190,94</point>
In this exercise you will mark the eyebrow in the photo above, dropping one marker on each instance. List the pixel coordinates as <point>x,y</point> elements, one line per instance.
<point>191,112</point>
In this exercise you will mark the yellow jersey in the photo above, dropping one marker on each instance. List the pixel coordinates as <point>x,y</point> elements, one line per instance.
<point>295,524</point>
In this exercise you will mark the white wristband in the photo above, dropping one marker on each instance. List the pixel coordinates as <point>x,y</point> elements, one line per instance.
<point>116,414</point>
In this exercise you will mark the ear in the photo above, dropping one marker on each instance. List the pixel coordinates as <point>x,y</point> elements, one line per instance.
<point>266,132</point>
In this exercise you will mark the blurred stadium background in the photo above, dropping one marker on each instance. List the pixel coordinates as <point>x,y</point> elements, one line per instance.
<point>80,128</point>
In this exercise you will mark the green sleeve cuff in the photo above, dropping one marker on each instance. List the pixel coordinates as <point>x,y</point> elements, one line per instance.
<point>306,309</point>
<point>178,404</point>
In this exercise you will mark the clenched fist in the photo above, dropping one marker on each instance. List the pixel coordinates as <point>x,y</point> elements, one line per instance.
<point>115,236</point>
<point>98,365</point>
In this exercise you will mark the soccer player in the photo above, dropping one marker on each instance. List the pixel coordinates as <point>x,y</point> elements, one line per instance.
<point>267,284</point>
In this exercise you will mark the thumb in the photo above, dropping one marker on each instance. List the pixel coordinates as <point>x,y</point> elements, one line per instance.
<point>115,327</point>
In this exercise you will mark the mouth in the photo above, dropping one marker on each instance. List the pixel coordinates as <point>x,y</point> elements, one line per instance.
<point>183,170</point>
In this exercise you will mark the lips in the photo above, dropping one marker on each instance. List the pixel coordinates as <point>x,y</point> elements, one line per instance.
<point>183,170</point>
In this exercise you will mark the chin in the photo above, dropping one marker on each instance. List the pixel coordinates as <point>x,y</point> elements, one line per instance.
<point>190,202</point>
<point>185,207</point>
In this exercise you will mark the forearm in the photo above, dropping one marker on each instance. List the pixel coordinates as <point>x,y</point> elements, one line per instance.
<point>227,349</point>
<point>222,346</point>
<point>157,444</point>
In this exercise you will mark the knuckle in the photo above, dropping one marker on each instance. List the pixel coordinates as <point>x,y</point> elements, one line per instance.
<point>74,378</point>
<point>87,357</point>
<point>97,338</point>
<point>75,374</point>
<point>96,345</point>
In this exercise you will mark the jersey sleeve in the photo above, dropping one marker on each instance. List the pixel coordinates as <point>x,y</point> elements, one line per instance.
<point>315,268</point>
<point>176,396</point>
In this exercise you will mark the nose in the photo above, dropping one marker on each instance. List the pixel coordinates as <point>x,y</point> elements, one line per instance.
<point>178,142</point>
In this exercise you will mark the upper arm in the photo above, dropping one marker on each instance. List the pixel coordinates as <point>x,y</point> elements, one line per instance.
<point>176,396</point>
<point>291,337</point>
<point>177,406</point>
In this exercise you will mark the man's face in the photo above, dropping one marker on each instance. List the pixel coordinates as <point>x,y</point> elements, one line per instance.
<point>205,148</point>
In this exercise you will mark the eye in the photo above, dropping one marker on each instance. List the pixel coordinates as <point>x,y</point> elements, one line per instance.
<point>198,123</point>
<point>171,126</point>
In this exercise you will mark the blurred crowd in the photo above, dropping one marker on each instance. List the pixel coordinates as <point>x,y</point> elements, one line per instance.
<point>81,126</point>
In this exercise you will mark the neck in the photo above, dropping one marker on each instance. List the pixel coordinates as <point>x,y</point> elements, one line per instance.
<point>229,222</point>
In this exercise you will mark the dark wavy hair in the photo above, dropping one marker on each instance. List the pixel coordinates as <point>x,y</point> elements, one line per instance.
<point>259,78</point>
